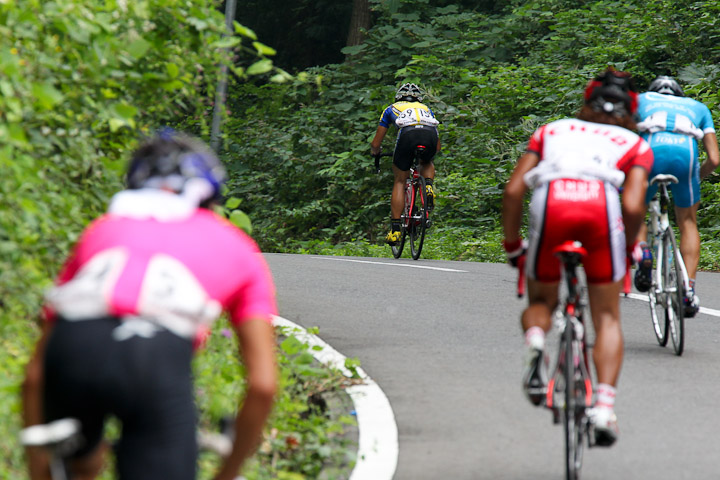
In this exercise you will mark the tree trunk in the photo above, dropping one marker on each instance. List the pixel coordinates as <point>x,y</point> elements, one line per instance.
<point>360,20</point>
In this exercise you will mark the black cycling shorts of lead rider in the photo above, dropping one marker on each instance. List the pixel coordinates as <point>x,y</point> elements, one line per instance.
<point>137,372</point>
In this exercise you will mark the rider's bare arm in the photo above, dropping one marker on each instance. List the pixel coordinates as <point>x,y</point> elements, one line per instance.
<point>633,202</point>
<point>377,141</point>
<point>713,155</point>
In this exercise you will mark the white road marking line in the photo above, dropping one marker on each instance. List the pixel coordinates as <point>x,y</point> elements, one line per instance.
<point>644,298</point>
<point>393,264</point>
<point>378,437</point>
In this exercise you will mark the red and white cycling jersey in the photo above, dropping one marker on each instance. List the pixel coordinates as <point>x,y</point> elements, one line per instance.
<point>582,150</point>
<point>582,164</point>
<point>180,273</point>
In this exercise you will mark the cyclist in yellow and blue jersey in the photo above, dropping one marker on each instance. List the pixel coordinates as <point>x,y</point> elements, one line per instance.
<point>416,125</point>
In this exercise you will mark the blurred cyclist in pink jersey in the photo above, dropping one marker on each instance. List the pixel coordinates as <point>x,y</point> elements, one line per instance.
<point>143,284</point>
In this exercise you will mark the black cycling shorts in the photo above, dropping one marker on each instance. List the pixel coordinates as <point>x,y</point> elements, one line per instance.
<point>408,139</point>
<point>144,380</point>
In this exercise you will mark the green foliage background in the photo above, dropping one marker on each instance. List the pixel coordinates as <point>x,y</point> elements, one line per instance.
<point>493,73</point>
<point>80,83</point>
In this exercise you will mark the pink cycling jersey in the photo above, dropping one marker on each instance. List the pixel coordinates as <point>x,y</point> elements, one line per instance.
<point>181,273</point>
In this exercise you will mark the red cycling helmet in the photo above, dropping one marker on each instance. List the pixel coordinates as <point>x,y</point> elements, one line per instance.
<point>613,92</point>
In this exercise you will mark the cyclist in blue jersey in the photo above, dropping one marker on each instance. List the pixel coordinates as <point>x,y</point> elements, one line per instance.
<point>672,124</point>
<point>416,125</point>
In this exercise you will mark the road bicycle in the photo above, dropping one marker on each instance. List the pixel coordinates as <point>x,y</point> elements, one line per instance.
<point>669,278</point>
<point>569,393</point>
<point>61,438</point>
<point>415,218</point>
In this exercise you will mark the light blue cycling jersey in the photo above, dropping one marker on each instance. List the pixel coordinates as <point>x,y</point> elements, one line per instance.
<point>672,126</point>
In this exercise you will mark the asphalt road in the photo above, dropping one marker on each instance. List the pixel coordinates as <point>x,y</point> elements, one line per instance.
<point>446,348</point>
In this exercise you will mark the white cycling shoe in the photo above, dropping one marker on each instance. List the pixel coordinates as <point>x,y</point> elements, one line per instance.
<point>605,425</point>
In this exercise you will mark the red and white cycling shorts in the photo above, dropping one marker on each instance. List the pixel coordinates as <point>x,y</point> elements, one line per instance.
<point>584,210</point>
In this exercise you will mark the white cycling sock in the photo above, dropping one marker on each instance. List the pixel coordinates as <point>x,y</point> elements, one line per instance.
<point>535,338</point>
<point>605,395</point>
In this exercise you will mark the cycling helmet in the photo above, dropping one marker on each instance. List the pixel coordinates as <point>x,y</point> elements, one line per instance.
<point>409,92</point>
<point>179,163</point>
<point>612,92</point>
<point>666,85</point>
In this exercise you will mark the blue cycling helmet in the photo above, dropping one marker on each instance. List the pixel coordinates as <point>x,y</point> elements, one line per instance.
<point>177,162</point>
<point>666,85</point>
<point>409,92</point>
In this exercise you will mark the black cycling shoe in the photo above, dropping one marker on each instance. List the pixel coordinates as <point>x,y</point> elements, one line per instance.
<point>692,305</point>
<point>643,279</point>
<point>535,378</point>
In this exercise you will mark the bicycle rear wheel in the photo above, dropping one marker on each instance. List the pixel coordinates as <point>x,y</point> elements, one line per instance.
<point>574,409</point>
<point>418,220</point>
<point>656,299</point>
<point>675,289</point>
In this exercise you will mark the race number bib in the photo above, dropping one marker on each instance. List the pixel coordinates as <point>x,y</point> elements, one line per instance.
<point>415,116</point>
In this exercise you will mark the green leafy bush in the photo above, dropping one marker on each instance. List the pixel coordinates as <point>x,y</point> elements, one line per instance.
<point>300,151</point>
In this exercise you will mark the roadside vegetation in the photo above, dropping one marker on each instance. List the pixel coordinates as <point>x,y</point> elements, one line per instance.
<point>493,72</point>
<point>81,82</point>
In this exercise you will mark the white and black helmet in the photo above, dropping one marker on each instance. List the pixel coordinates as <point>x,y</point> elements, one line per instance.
<point>409,92</point>
<point>666,85</point>
<point>174,161</point>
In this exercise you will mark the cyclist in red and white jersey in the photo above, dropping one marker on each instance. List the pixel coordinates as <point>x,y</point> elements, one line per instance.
<point>575,167</point>
<point>134,300</point>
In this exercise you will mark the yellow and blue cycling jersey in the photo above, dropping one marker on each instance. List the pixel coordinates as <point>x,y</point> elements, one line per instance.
<point>405,114</point>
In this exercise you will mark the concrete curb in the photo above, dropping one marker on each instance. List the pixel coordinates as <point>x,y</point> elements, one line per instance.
<point>378,438</point>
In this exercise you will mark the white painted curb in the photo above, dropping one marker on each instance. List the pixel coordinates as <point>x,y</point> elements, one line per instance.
<point>378,438</point>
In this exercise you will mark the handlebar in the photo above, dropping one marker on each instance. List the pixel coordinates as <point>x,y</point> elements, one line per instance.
<point>521,277</point>
<point>377,160</point>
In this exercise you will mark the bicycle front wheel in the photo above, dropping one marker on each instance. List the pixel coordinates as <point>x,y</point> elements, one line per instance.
<point>574,409</point>
<point>675,289</point>
<point>406,220</point>
<point>656,299</point>
<point>398,249</point>
<point>418,219</point>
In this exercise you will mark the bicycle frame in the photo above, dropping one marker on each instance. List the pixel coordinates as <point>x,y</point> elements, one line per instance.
<point>570,390</point>
<point>660,223</point>
<point>664,293</point>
